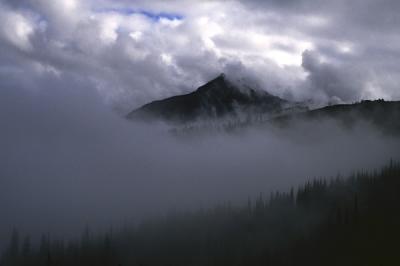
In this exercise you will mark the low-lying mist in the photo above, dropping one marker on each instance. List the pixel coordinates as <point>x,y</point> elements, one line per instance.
<point>68,161</point>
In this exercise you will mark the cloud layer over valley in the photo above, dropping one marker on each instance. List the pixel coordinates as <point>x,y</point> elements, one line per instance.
<point>67,161</point>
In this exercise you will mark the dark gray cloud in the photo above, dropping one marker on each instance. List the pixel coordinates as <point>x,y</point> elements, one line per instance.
<point>338,83</point>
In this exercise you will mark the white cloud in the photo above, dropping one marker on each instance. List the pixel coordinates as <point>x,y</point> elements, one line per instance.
<point>136,35</point>
<point>17,29</point>
<point>109,26</point>
<point>166,58</point>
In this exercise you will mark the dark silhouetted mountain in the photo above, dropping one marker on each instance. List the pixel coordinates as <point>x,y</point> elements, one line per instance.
<point>218,98</point>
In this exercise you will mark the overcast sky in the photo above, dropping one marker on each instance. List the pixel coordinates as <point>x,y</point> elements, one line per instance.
<point>133,52</point>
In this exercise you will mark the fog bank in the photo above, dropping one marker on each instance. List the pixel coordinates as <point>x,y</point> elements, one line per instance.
<point>68,161</point>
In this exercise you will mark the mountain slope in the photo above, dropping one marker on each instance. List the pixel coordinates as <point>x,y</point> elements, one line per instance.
<point>217,98</point>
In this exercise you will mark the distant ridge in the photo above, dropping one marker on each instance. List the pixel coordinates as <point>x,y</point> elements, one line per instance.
<point>384,116</point>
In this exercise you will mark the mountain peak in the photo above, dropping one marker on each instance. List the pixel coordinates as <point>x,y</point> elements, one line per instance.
<point>217,98</point>
<point>218,83</point>
<point>220,78</point>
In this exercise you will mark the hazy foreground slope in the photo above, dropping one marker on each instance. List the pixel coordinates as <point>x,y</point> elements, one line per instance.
<point>352,221</point>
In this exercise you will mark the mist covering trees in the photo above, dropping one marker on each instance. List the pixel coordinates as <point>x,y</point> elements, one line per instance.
<point>337,221</point>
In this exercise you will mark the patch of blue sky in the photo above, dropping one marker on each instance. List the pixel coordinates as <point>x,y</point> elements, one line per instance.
<point>149,14</point>
<point>158,16</point>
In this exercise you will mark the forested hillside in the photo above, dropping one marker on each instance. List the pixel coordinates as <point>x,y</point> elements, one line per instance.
<point>333,221</point>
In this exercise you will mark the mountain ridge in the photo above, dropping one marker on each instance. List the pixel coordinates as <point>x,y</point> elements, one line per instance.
<point>245,106</point>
